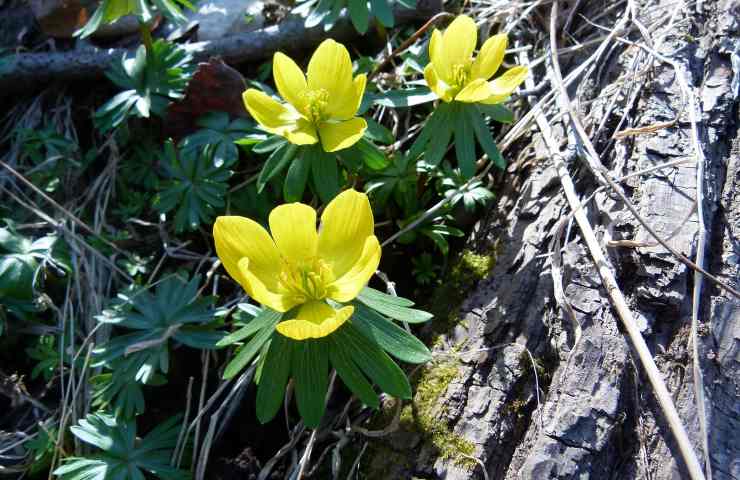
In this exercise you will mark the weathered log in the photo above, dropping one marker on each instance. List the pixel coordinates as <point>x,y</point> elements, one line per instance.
<point>27,71</point>
<point>594,415</point>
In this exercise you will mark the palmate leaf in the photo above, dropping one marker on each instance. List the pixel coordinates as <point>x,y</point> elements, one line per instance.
<point>111,10</point>
<point>120,454</point>
<point>360,12</point>
<point>172,313</point>
<point>149,84</point>
<point>398,182</point>
<point>216,137</point>
<point>195,187</point>
<point>22,261</point>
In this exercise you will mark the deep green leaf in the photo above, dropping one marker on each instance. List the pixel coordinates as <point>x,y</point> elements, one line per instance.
<point>393,339</point>
<point>465,144</point>
<point>382,10</point>
<point>392,308</point>
<point>497,112</point>
<point>359,14</point>
<point>405,98</point>
<point>274,377</point>
<point>295,180</point>
<point>485,138</point>
<point>373,361</point>
<point>311,374</point>
<point>325,173</point>
<point>351,374</point>
<point>246,352</point>
<point>263,319</point>
<point>378,296</point>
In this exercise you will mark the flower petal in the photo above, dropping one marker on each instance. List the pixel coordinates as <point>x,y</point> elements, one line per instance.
<point>490,57</point>
<point>340,135</point>
<point>348,286</point>
<point>348,108</point>
<point>293,227</point>
<point>258,290</point>
<point>270,113</point>
<point>237,238</point>
<point>330,69</point>
<point>509,81</point>
<point>437,58</point>
<point>314,320</point>
<point>475,91</point>
<point>459,40</point>
<point>345,225</point>
<point>439,87</point>
<point>289,79</point>
<point>278,118</point>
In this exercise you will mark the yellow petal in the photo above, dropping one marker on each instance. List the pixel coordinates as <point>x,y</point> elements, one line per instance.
<point>509,81</point>
<point>346,224</point>
<point>237,238</point>
<point>459,40</point>
<point>490,57</point>
<point>475,91</point>
<point>340,135</point>
<point>330,69</point>
<point>348,286</point>
<point>279,119</point>
<point>293,227</point>
<point>270,113</point>
<point>347,109</point>
<point>289,79</point>
<point>439,87</point>
<point>436,56</point>
<point>258,290</point>
<point>314,320</point>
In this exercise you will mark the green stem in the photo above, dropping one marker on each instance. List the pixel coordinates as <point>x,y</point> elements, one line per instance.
<point>146,38</point>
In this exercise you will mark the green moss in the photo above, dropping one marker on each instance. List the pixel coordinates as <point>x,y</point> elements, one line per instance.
<point>425,414</point>
<point>466,272</point>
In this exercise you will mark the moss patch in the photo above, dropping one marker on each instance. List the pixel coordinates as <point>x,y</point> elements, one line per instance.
<point>423,415</point>
<point>469,269</point>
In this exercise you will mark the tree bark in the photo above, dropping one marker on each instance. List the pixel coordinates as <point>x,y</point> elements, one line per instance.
<point>594,415</point>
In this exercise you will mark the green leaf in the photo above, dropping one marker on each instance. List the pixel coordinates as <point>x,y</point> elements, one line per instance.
<point>359,14</point>
<point>378,296</point>
<point>393,339</point>
<point>373,361</point>
<point>485,138</point>
<point>311,375</point>
<point>246,352</point>
<point>440,137</point>
<point>263,319</point>
<point>195,187</point>
<point>270,144</point>
<point>382,10</point>
<point>392,308</point>
<point>274,377</point>
<point>275,163</point>
<point>371,155</point>
<point>295,180</point>
<point>120,454</point>
<point>497,112</point>
<point>351,375</point>
<point>464,144</point>
<point>405,98</point>
<point>325,173</point>
<point>378,133</point>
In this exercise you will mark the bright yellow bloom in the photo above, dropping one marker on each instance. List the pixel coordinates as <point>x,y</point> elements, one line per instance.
<point>300,267</point>
<point>321,106</point>
<point>453,74</point>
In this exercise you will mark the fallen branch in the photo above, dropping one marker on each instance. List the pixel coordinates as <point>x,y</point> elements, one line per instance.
<point>28,71</point>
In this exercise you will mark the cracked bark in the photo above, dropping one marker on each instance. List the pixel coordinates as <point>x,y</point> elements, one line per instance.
<point>597,417</point>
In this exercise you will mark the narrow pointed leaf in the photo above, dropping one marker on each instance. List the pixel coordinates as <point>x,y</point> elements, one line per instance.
<point>351,375</point>
<point>392,338</point>
<point>274,377</point>
<point>311,374</point>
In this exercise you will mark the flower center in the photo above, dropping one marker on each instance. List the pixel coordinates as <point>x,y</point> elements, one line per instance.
<point>309,280</point>
<point>460,75</point>
<point>316,102</point>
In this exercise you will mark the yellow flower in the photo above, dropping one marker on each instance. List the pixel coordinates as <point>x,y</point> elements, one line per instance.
<point>321,105</point>
<point>300,267</point>
<point>453,74</point>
